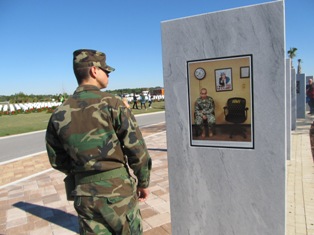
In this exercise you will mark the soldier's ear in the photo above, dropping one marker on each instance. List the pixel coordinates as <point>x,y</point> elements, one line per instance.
<point>93,71</point>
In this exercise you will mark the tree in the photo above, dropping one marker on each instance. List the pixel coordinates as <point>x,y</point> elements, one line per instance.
<point>292,53</point>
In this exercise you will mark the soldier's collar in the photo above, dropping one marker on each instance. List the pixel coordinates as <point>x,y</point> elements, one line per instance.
<point>87,88</point>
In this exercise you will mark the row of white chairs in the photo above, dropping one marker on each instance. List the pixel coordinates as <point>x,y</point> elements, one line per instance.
<point>38,105</point>
<point>155,98</point>
<point>27,106</point>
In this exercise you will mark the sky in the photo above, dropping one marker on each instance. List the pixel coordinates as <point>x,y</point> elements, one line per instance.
<point>38,39</point>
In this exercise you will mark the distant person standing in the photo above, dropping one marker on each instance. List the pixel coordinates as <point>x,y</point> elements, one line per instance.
<point>150,97</point>
<point>310,95</point>
<point>135,101</point>
<point>143,101</point>
<point>94,139</point>
<point>61,98</point>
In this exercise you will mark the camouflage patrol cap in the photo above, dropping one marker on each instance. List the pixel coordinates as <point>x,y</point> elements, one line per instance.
<point>84,58</point>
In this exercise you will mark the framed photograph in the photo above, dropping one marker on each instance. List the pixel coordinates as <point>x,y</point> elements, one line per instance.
<point>244,72</point>
<point>216,118</point>
<point>223,79</point>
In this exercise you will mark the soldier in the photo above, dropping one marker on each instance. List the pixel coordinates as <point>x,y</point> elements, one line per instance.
<point>88,137</point>
<point>205,112</point>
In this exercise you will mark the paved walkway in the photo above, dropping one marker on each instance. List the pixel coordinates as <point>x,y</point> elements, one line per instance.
<point>300,182</point>
<point>33,201</point>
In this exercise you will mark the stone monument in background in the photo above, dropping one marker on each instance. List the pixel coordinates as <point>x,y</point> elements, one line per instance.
<point>293,99</point>
<point>299,66</point>
<point>301,94</point>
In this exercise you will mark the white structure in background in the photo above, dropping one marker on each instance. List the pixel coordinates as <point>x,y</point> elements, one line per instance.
<point>154,98</point>
<point>27,106</point>
<point>5,108</point>
<point>158,97</point>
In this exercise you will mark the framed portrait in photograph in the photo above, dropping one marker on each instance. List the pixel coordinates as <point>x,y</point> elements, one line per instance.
<point>245,72</point>
<point>223,79</point>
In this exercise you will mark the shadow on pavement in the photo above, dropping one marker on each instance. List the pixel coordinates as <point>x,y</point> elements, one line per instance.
<point>56,216</point>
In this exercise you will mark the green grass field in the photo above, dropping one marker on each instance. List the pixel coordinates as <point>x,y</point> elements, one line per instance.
<point>23,123</point>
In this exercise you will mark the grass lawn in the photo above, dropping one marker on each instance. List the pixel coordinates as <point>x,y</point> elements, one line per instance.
<point>23,123</point>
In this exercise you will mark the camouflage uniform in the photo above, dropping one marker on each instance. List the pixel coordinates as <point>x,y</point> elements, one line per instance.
<point>89,136</point>
<point>205,107</point>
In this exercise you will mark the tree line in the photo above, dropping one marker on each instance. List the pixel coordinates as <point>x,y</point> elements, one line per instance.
<point>24,98</point>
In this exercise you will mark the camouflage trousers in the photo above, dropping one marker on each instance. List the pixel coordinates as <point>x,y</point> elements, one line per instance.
<point>109,216</point>
<point>211,120</point>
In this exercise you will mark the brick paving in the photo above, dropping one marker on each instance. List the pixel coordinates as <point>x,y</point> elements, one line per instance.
<point>33,200</point>
<point>22,168</point>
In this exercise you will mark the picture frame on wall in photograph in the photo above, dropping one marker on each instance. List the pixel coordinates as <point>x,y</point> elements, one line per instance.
<point>223,79</point>
<point>245,72</point>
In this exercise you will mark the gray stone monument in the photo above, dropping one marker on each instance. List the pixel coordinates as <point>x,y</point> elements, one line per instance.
<point>288,105</point>
<point>223,185</point>
<point>293,100</point>
<point>299,66</point>
<point>301,95</point>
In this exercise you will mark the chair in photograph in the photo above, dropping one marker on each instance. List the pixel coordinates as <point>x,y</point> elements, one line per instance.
<point>236,113</point>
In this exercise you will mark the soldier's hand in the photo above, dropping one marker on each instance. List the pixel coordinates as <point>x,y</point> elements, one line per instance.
<point>142,194</point>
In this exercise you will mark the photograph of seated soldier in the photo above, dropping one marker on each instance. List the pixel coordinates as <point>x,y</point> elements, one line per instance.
<point>205,114</point>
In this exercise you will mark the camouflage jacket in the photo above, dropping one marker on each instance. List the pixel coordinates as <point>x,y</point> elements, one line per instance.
<point>94,131</point>
<point>204,107</point>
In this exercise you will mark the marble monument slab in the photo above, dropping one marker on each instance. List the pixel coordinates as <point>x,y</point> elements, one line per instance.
<point>223,185</point>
